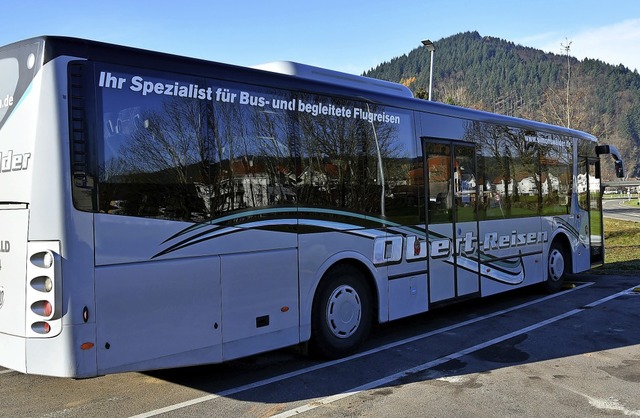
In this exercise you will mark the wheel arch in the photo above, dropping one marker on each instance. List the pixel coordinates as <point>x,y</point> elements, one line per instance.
<point>371,274</point>
<point>563,240</point>
<point>368,275</point>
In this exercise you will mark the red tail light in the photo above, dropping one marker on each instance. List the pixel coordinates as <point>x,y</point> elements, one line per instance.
<point>43,296</point>
<point>42,308</point>
<point>48,308</point>
<point>41,327</point>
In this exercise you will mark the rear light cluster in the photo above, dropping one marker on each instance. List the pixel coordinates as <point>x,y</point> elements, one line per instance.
<point>43,289</point>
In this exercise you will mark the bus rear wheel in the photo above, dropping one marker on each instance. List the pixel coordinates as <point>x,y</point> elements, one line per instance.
<point>556,268</point>
<point>342,313</point>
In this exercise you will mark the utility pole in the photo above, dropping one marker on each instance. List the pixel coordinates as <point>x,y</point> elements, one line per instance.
<point>567,48</point>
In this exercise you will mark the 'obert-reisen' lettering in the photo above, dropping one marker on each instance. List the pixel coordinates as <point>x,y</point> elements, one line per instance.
<point>493,241</point>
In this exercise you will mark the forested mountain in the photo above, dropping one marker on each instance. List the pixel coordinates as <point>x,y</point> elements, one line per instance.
<point>499,76</point>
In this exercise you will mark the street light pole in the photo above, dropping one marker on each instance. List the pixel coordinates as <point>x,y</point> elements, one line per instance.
<point>431,48</point>
<point>567,48</point>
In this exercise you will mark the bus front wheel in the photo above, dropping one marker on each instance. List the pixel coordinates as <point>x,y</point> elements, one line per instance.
<point>342,313</point>
<point>556,268</point>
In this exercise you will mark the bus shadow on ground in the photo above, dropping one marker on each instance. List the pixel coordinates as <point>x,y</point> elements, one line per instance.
<point>284,376</point>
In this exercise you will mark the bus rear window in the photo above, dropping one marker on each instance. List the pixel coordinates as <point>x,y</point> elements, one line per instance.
<point>18,65</point>
<point>8,83</point>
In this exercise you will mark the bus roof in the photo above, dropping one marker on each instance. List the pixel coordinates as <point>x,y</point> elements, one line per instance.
<point>336,77</point>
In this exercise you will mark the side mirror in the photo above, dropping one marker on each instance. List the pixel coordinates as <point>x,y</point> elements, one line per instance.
<point>619,169</point>
<point>610,149</point>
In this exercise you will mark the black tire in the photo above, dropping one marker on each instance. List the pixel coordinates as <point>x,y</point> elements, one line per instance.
<point>556,268</point>
<point>342,313</point>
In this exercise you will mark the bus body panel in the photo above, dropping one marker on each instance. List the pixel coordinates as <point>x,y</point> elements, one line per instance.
<point>13,288</point>
<point>512,254</point>
<point>153,311</point>
<point>580,234</point>
<point>251,292</point>
<point>408,281</point>
<point>467,281</point>
<point>124,239</point>
<point>442,283</point>
<point>13,352</point>
<point>62,355</point>
<point>25,305</point>
<point>52,216</point>
<point>408,296</point>
<point>13,256</point>
<point>259,302</point>
<point>56,226</point>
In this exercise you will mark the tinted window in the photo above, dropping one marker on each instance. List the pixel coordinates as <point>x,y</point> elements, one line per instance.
<point>556,174</point>
<point>8,83</point>
<point>155,145</point>
<point>522,173</point>
<point>176,147</point>
<point>359,156</point>
<point>18,66</point>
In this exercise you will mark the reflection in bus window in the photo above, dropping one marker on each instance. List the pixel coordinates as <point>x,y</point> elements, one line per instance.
<point>523,173</point>
<point>186,159</point>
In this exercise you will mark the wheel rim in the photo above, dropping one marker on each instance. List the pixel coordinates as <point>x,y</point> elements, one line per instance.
<point>556,265</point>
<point>344,311</point>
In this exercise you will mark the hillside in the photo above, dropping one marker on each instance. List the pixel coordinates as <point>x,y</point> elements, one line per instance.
<point>499,76</point>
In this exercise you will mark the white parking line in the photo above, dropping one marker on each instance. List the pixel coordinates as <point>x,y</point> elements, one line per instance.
<point>285,376</point>
<point>391,378</point>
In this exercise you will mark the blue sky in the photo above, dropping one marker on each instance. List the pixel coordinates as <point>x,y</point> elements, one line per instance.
<point>338,34</point>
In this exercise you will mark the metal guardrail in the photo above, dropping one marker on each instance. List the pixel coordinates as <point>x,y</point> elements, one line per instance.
<point>621,183</point>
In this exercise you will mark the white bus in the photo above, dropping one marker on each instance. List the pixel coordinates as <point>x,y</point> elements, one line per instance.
<point>159,211</point>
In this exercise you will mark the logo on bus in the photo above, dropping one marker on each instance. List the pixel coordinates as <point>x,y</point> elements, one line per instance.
<point>10,161</point>
<point>469,244</point>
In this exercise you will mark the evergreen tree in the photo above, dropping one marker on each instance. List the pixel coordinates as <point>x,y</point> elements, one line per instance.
<point>493,74</point>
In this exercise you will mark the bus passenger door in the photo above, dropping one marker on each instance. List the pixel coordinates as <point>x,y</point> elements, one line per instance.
<point>591,201</point>
<point>452,226</point>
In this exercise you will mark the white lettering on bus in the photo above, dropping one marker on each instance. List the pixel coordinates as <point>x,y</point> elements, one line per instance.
<point>223,95</point>
<point>375,117</point>
<point>109,81</point>
<point>138,84</point>
<point>493,241</point>
<point>7,101</point>
<point>10,161</point>
<point>246,98</point>
<point>468,244</point>
<point>192,91</point>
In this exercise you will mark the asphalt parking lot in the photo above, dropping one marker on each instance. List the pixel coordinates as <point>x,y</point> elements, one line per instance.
<point>571,354</point>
